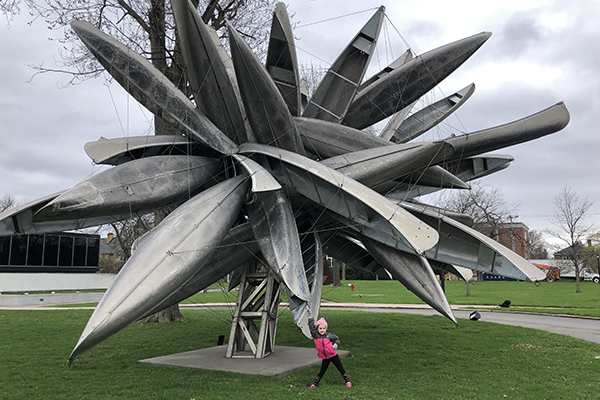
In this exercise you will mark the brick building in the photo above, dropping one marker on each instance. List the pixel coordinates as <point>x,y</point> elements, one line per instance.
<point>515,236</point>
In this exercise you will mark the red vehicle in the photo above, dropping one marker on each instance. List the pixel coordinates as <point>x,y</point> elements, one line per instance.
<point>552,273</point>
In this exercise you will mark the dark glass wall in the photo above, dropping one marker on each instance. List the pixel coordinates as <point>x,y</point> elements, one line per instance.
<point>58,252</point>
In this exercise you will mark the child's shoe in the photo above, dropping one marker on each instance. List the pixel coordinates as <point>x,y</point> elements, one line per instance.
<point>316,382</point>
<point>345,376</point>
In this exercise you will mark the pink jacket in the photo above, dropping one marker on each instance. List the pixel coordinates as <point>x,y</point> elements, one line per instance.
<point>323,344</point>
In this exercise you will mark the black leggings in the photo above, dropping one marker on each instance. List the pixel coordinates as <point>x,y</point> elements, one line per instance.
<point>336,361</point>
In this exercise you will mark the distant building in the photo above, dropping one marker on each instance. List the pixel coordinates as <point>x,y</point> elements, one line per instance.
<point>513,235</point>
<point>567,252</point>
<point>112,256</point>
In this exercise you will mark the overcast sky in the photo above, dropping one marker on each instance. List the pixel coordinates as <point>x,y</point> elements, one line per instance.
<point>540,53</point>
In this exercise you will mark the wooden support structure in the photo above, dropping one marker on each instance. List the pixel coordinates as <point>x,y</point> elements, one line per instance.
<point>258,300</point>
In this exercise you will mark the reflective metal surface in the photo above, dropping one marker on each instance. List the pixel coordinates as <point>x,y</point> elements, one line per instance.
<point>274,227</point>
<point>135,187</point>
<point>358,205</point>
<point>409,82</point>
<point>338,87</point>
<point>282,63</point>
<point>151,88</point>
<point>428,117</point>
<point>267,111</point>
<point>301,192</point>
<point>213,90</point>
<point>165,260</point>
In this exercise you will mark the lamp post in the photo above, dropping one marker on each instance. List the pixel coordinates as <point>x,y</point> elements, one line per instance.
<point>598,260</point>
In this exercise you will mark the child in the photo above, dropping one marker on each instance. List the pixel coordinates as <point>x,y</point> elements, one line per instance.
<point>326,344</point>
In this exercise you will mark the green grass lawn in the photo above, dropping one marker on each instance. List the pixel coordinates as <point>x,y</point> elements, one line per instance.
<point>556,297</point>
<point>523,295</point>
<point>394,356</point>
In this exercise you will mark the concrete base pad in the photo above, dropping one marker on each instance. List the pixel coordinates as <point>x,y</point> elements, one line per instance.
<point>282,361</point>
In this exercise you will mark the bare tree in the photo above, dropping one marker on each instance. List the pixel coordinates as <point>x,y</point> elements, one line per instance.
<point>148,28</point>
<point>310,77</point>
<point>7,201</point>
<point>145,26</point>
<point>572,226</point>
<point>537,246</point>
<point>485,204</point>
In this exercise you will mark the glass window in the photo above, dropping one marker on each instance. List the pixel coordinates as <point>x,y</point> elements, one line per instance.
<point>51,250</point>
<point>36,250</point>
<point>4,249</point>
<point>18,250</point>
<point>65,252</point>
<point>79,254</point>
<point>93,253</point>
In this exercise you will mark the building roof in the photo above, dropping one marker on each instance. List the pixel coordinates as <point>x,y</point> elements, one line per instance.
<point>567,251</point>
<point>109,247</point>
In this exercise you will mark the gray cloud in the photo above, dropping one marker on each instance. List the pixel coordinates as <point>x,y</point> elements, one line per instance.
<point>43,128</point>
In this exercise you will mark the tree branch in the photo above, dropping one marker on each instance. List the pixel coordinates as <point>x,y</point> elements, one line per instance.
<point>135,16</point>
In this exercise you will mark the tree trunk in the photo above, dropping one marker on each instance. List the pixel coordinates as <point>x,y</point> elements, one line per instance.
<point>165,316</point>
<point>479,276</point>
<point>468,288</point>
<point>336,273</point>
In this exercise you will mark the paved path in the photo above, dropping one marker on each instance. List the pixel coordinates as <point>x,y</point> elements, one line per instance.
<point>578,327</point>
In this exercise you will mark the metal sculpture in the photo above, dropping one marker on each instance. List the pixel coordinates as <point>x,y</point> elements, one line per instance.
<point>263,173</point>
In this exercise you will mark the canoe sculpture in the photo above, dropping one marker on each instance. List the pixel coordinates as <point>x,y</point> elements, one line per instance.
<point>258,175</point>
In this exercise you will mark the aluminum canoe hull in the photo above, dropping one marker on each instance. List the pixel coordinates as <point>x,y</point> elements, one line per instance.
<point>136,187</point>
<point>409,82</point>
<point>235,250</point>
<point>542,123</point>
<point>266,109</point>
<point>414,272</point>
<point>465,170</point>
<point>121,150</point>
<point>165,260</point>
<point>274,227</point>
<point>373,167</point>
<point>465,247</point>
<point>208,77</point>
<point>340,84</point>
<point>403,59</point>
<point>347,199</point>
<point>151,88</point>
<point>282,62</point>
<point>430,116</point>
<point>312,256</point>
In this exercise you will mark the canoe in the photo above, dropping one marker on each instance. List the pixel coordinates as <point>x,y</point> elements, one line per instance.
<point>409,82</point>
<point>282,62</point>
<point>151,88</point>
<point>211,86</point>
<point>351,202</point>
<point>430,116</point>
<point>338,87</point>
